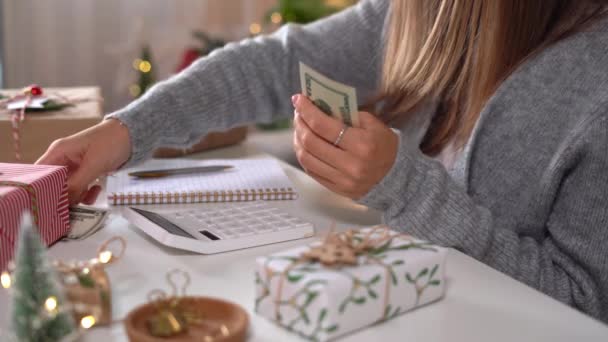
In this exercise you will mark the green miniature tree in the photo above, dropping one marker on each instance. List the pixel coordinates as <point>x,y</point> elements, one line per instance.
<point>145,72</point>
<point>306,11</point>
<point>39,310</point>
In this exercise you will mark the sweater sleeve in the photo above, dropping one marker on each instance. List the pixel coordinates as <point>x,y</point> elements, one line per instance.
<point>567,262</point>
<point>253,80</point>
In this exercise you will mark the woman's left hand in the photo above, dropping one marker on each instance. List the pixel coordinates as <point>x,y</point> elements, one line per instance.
<point>357,163</point>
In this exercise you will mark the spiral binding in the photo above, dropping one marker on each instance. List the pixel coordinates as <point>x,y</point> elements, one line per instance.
<point>202,196</point>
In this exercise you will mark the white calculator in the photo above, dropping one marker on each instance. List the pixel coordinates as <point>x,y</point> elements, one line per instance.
<point>220,228</point>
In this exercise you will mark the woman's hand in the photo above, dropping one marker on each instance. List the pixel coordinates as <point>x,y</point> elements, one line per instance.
<point>361,159</point>
<point>89,154</point>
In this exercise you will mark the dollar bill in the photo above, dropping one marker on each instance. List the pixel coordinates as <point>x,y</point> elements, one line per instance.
<point>333,98</point>
<point>85,221</point>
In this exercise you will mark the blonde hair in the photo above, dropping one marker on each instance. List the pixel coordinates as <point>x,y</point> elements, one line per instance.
<point>457,52</point>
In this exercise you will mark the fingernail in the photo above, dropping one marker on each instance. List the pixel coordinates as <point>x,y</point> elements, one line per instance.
<point>294,99</point>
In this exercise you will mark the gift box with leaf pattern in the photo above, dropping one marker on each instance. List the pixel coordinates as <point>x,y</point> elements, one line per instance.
<point>348,281</point>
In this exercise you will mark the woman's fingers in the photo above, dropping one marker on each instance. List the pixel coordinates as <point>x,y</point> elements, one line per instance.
<point>91,195</point>
<point>53,156</point>
<point>364,156</point>
<point>323,125</point>
<point>313,164</point>
<point>319,147</point>
<point>88,155</point>
<point>352,165</point>
<point>331,173</point>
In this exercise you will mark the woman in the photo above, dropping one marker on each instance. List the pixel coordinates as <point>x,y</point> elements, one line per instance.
<point>503,111</point>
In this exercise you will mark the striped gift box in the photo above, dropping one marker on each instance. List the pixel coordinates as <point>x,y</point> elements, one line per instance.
<point>41,189</point>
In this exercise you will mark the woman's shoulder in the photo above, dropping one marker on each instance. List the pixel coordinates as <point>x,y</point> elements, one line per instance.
<point>570,76</point>
<point>583,54</point>
<point>555,99</point>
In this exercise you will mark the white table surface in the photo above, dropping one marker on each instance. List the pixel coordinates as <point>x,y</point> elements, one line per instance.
<point>481,304</point>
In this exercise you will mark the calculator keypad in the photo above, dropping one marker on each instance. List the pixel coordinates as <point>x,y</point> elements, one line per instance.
<point>237,220</point>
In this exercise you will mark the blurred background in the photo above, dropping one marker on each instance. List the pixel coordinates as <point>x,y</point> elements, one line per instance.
<point>91,57</point>
<point>110,43</point>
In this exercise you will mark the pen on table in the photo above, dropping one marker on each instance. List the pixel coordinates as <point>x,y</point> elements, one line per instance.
<point>181,171</point>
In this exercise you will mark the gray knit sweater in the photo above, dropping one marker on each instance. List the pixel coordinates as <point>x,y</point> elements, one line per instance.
<point>530,197</point>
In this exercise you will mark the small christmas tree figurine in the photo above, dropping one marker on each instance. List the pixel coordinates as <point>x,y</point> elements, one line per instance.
<point>39,310</point>
<point>145,72</point>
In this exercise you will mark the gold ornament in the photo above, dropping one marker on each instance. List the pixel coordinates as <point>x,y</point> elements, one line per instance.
<point>170,319</point>
<point>87,284</point>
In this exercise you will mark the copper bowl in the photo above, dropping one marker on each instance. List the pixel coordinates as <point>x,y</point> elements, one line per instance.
<point>214,313</point>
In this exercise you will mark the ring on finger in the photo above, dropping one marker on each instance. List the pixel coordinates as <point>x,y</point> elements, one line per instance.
<point>340,136</point>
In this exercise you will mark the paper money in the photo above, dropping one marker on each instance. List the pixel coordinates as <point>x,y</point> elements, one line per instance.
<point>85,221</point>
<point>333,98</point>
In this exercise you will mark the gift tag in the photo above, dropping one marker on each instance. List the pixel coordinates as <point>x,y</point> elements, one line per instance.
<point>35,103</point>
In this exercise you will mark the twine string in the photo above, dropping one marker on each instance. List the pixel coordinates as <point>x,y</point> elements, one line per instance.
<point>346,241</point>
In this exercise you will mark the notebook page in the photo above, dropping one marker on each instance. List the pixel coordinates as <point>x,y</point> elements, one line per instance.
<point>258,174</point>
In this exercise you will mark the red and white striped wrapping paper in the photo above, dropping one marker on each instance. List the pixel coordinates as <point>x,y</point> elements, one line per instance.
<point>50,186</point>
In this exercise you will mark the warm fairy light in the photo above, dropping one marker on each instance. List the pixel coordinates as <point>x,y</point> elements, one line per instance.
<point>136,63</point>
<point>276,18</point>
<point>50,304</point>
<point>255,28</point>
<point>224,330</point>
<point>86,270</point>
<point>337,3</point>
<point>87,321</point>
<point>134,90</point>
<point>5,278</point>
<point>145,66</point>
<point>105,257</point>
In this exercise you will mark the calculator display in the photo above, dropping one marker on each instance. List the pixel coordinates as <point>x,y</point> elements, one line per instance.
<point>163,223</point>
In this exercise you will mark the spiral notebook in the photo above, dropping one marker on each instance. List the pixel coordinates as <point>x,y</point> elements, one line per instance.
<point>248,180</point>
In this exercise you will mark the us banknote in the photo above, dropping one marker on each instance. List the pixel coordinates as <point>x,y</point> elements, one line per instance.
<point>333,98</point>
<point>85,221</point>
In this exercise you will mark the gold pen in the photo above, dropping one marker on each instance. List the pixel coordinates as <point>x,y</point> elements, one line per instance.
<point>186,170</point>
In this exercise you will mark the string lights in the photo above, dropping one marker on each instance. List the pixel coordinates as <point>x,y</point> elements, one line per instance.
<point>255,28</point>
<point>51,306</point>
<point>276,18</point>
<point>87,321</point>
<point>134,90</point>
<point>105,257</point>
<point>143,66</point>
<point>5,279</point>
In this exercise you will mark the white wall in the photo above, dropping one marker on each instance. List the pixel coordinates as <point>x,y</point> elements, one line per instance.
<point>69,42</point>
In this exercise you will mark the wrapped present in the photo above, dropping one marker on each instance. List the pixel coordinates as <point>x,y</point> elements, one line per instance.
<point>209,142</point>
<point>49,114</point>
<point>40,189</point>
<point>348,281</point>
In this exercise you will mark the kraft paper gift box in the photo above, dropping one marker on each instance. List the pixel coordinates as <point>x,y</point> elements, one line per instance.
<point>208,142</point>
<point>39,189</point>
<point>40,129</point>
<point>321,302</point>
